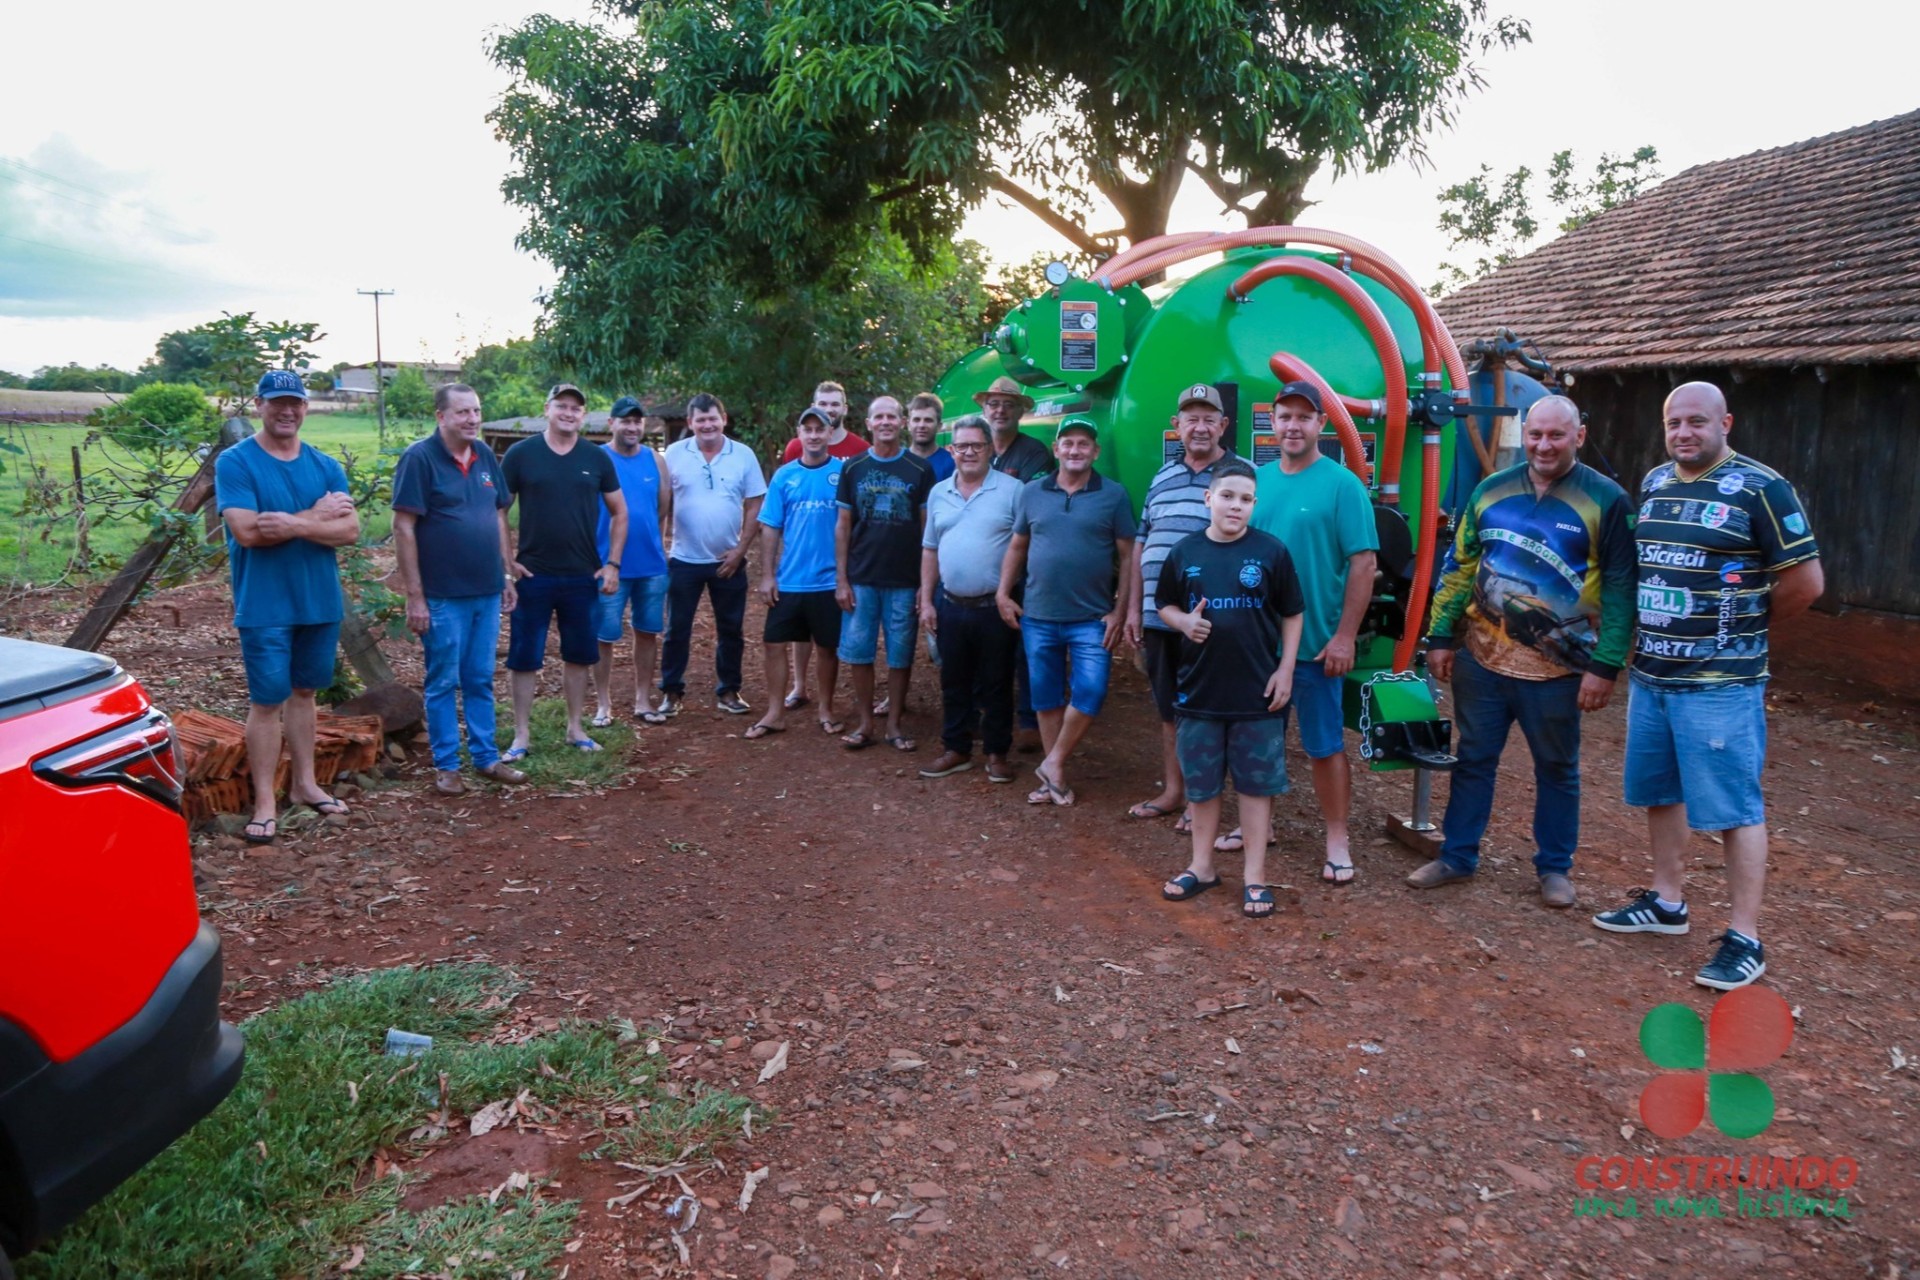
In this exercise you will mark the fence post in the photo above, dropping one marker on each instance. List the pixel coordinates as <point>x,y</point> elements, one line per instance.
<point>80,514</point>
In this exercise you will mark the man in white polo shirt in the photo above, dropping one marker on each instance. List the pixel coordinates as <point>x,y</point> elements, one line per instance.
<point>717,491</point>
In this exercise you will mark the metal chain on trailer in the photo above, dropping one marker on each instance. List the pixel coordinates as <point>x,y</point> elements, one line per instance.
<point>1366,703</point>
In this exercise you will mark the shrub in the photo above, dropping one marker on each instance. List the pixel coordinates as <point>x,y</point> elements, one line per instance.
<point>160,415</point>
<point>408,395</point>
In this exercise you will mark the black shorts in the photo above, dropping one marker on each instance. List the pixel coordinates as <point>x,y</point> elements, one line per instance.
<point>1161,649</point>
<point>800,617</point>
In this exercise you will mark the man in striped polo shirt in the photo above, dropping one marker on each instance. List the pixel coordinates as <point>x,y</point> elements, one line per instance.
<point>1725,550</point>
<point>1176,506</point>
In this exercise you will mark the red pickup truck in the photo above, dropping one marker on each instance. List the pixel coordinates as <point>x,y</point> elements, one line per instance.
<point>111,1043</point>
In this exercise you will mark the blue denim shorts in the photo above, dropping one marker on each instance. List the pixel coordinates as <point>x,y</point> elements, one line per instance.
<point>893,609</point>
<point>1317,707</point>
<point>572,599</point>
<point>279,660</point>
<point>1254,751</point>
<point>1056,648</point>
<point>646,598</point>
<point>1705,748</point>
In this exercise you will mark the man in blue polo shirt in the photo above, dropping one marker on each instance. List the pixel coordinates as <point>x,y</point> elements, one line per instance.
<point>642,592</point>
<point>800,515</point>
<point>286,508</point>
<point>450,546</point>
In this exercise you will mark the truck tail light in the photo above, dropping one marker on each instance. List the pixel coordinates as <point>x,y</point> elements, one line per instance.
<point>141,756</point>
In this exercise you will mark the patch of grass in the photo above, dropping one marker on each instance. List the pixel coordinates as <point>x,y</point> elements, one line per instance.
<point>273,1183</point>
<point>554,763</point>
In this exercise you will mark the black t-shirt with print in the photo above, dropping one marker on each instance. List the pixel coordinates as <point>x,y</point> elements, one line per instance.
<point>886,496</point>
<point>1249,586</point>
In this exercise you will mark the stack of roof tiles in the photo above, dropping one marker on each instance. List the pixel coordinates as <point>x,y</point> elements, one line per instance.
<point>1802,255</point>
<point>213,751</point>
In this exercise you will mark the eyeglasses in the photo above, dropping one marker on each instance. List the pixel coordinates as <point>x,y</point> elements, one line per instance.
<point>974,447</point>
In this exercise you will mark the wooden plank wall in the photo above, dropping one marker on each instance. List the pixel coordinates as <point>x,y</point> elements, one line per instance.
<point>1850,445</point>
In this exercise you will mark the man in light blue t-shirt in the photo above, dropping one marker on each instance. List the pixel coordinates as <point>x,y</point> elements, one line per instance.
<point>799,517</point>
<point>642,593</point>
<point>286,508</point>
<point>1322,514</point>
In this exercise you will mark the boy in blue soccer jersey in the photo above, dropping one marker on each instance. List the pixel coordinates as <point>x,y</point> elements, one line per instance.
<point>1232,594</point>
<point>800,514</point>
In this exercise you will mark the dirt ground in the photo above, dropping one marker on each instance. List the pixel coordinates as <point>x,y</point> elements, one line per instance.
<point>1009,1057</point>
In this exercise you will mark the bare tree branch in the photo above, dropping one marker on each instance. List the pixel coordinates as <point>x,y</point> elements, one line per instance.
<point>1076,234</point>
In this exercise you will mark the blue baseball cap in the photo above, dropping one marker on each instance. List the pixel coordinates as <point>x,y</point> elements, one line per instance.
<point>627,407</point>
<point>279,384</point>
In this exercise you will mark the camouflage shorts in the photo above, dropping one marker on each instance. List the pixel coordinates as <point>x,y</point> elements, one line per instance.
<point>1254,750</point>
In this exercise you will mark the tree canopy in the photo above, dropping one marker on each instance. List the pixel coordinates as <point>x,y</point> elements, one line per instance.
<point>758,145</point>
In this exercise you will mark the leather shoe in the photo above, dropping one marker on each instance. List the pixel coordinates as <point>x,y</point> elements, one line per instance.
<point>1436,873</point>
<point>1557,891</point>
<point>998,770</point>
<point>447,782</point>
<point>948,762</point>
<point>501,771</point>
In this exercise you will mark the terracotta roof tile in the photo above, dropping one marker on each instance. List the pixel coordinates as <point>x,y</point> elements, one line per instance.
<point>1805,254</point>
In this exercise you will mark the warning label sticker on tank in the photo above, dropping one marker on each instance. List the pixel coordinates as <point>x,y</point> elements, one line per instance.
<point>1079,337</point>
<point>1330,445</point>
<point>1266,446</point>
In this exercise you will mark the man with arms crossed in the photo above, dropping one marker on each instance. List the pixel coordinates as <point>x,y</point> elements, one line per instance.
<point>286,508</point>
<point>717,491</point>
<point>451,550</point>
<point>1176,506</point>
<point>1541,570</point>
<point>1070,536</point>
<point>1724,550</point>
<point>801,514</point>
<point>969,524</point>
<point>561,574</point>
<point>883,503</point>
<point>643,561</point>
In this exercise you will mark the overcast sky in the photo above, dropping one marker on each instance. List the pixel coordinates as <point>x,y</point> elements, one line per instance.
<point>159,165</point>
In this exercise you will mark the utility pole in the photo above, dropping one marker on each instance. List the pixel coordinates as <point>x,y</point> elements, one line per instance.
<point>379,365</point>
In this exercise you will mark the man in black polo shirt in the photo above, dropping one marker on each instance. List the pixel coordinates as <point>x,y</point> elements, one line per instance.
<point>450,540</point>
<point>560,484</point>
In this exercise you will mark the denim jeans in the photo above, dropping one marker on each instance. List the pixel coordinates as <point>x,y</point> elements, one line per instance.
<point>685,582</point>
<point>1485,706</point>
<point>1067,665</point>
<point>462,640</point>
<point>976,676</point>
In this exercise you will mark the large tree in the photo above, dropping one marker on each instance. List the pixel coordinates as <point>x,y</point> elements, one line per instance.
<point>761,144</point>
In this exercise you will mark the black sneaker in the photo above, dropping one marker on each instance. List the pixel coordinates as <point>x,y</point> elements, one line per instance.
<point>1643,915</point>
<point>1737,963</point>
<point>732,703</point>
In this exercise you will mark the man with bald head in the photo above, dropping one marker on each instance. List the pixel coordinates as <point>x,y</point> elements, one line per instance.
<point>1531,623</point>
<point>1724,550</point>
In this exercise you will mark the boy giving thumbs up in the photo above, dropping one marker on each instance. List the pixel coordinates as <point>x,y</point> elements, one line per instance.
<point>1232,594</point>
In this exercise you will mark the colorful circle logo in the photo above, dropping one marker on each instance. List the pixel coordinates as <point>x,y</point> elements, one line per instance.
<point>1706,1067</point>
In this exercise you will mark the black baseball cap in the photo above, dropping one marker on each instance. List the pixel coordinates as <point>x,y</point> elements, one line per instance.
<point>627,407</point>
<point>1306,391</point>
<point>818,414</point>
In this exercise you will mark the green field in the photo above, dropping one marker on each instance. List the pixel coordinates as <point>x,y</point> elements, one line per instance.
<point>37,523</point>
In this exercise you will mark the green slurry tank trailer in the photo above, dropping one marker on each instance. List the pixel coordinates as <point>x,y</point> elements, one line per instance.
<point>1280,304</point>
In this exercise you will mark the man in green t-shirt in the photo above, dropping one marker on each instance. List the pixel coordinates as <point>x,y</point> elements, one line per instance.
<point>1321,513</point>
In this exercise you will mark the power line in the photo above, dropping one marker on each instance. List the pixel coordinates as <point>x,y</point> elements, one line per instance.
<point>157,220</point>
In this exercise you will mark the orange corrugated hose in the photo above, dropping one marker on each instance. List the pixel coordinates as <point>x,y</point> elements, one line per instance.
<point>1291,368</point>
<point>1385,345</point>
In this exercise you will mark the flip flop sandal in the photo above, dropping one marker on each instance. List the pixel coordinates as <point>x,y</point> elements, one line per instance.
<point>515,753</point>
<point>1231,842</point>
<point>833,726</point>
<point>328,808</point>
<point>796,701</point>
<point>762,730</point>
<point>1330,874</point>
<point>1055,792</point>
<point>1258,895</point>
<point>1040,795</point>
<point>1183,827</point>
<point>900,742</point>
<point>1191,886</point>
<point>1147,811</point>
<point>272,826</point>
<point>857,741</point>
<point>601,720</point>
<point>587,745</point>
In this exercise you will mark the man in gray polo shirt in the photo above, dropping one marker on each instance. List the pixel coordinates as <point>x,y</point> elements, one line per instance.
<point>1072,532</point>
<point>970,518</point>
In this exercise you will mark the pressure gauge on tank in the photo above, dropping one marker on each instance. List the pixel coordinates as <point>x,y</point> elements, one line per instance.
<point>1058,274</point>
